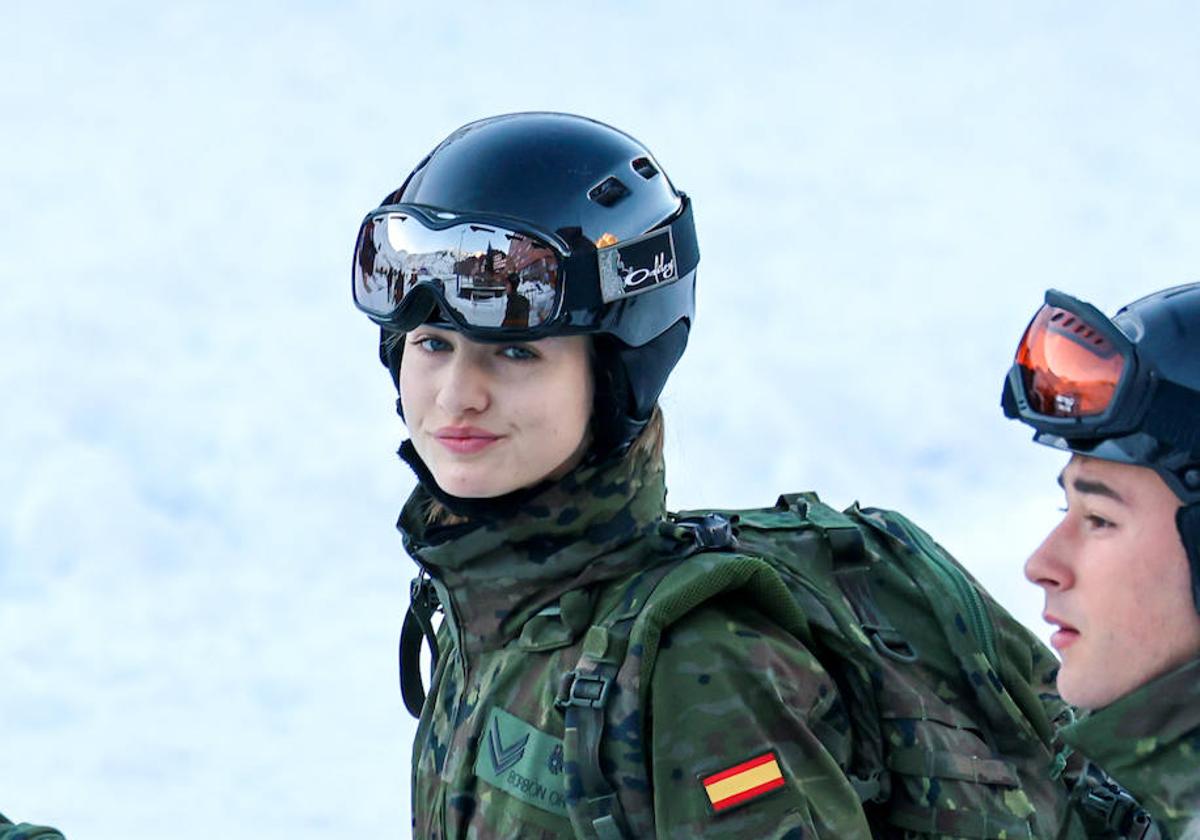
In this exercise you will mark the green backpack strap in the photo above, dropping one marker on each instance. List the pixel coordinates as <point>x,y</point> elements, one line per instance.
<point>846,659</point>
<point>852,569</point>
<point>1011,703</point>
<point>939,571</point>
<point>653,600</point>
<point>583,696</point>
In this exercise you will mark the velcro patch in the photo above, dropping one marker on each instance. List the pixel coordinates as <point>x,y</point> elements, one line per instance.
<point>522,761</point>
<point>743,782</point>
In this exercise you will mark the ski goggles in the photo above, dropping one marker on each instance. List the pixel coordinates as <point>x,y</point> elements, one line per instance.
<point>1076,373</point>
<point>493,276</point>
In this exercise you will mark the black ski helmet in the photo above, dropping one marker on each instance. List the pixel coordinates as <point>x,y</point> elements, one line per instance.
<point>1150,412</point>
<point>593,186</point>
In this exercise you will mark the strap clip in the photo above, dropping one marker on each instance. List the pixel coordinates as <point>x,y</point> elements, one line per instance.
<point>588,691</point>
<point>709,531</point>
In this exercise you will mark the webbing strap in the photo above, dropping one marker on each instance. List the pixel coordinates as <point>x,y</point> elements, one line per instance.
<point>885,638</point>
<point>417,628</point>
<point>851,569</point>
<point>584,692</point>
<point>583,696</point>
<point>851,566</point>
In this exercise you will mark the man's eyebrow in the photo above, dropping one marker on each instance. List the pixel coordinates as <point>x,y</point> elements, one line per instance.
<point>1098,488</point>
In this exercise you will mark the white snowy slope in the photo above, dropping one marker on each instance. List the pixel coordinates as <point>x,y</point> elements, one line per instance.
<point>200,584</point>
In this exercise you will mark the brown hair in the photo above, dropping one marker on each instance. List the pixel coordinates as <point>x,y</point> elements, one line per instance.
<point>648,445</point>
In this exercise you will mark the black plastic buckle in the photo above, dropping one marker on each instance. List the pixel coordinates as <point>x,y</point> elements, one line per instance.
<point>421,592</point>
<point>1104,802</point>
<point>587,691</point>
<point>709,531</point>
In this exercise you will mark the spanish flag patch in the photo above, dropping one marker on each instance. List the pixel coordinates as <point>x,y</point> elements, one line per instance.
<point>743,782</point>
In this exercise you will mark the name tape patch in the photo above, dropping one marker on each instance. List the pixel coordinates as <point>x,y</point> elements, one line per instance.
<point>522,761</point>
<point>743,782</point>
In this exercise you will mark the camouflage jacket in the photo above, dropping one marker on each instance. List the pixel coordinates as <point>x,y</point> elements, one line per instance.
<point>736,729</point>
<point>1149,742</point>
<point>25,831</point>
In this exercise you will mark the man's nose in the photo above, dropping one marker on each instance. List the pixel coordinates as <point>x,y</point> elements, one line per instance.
<point>1048,566</point>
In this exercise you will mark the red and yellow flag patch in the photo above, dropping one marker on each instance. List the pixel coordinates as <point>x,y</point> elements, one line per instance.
<point>743,782</point>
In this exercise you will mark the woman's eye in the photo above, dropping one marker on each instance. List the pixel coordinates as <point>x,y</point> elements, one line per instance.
<point>1097,522</point>
<point>431,344</point>
<point>518,353</point>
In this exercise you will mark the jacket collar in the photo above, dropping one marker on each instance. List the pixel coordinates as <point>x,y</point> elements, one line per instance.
<point>498,571</point>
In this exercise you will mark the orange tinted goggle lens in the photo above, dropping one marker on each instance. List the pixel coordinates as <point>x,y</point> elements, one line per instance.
<point>1069,368</point>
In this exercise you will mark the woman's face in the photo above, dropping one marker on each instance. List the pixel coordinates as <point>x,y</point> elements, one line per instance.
<point>488,419</point>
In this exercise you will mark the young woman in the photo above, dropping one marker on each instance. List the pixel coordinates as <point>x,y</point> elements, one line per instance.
<point>608,669</point>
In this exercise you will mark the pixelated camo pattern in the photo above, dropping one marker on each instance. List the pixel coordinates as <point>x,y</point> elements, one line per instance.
<point>1149,742</point>
<point>967,750</point>
<point>25,831</point>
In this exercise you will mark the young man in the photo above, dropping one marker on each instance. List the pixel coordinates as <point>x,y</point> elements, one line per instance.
<point>1121,572</point>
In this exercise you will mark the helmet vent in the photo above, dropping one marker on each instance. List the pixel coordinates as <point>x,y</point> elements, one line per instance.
<point>608,192</point>
<point>644,167</point>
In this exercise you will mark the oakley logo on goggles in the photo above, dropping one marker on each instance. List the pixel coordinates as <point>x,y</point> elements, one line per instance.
<point>489,276</point>
<point>1070,368</point>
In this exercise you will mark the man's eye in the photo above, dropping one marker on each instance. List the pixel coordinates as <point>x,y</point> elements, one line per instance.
<point>1097,522</point>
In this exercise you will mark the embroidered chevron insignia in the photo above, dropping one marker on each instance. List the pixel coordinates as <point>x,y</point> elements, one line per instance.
<point>504,757</point>
<point>522,761</point>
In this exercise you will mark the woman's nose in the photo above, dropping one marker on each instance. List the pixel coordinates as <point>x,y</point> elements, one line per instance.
<point>465,389</point>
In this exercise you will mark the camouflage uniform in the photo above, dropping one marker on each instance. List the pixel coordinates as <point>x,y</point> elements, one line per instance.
<point>1149,742</point>
<point>25,831</point>
<point>734,693</point>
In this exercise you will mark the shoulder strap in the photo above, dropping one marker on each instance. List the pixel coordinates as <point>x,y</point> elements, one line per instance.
<point>583,695</point>
<point>947,576</point>
<point>850,664</point>
<point>851,569</point>
<point>417,628</point>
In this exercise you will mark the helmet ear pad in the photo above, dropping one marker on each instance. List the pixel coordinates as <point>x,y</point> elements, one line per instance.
<point>391,351</point>
<point>629,381</point>
<point>1187,521</point>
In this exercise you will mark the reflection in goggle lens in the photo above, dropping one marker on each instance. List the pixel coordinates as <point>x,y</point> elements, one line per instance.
<point>490,276</point>
<point>1069,368</point>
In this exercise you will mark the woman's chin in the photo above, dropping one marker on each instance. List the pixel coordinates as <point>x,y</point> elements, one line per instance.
<point>467,484</point>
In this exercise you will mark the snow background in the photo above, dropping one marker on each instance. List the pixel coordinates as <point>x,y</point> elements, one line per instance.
<point>200,587</point>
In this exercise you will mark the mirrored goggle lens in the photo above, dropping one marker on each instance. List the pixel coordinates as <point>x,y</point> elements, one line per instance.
<point>1069,368</point>
<point>489,276</point>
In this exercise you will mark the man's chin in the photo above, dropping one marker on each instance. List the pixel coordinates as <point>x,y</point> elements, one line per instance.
<point>1084,688</point>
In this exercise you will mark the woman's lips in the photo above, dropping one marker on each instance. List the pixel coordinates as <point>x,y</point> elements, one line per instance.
<point>465,440</point>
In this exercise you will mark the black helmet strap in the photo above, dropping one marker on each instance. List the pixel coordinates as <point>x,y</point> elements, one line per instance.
<point>1187,520</point>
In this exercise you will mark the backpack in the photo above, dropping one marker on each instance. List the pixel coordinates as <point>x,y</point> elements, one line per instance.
<point>892,618</point>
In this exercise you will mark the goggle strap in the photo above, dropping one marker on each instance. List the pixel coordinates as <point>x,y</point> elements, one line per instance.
<point>683,233</point>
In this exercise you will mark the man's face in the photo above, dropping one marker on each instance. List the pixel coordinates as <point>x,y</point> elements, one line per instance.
<point>1117,582</point>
